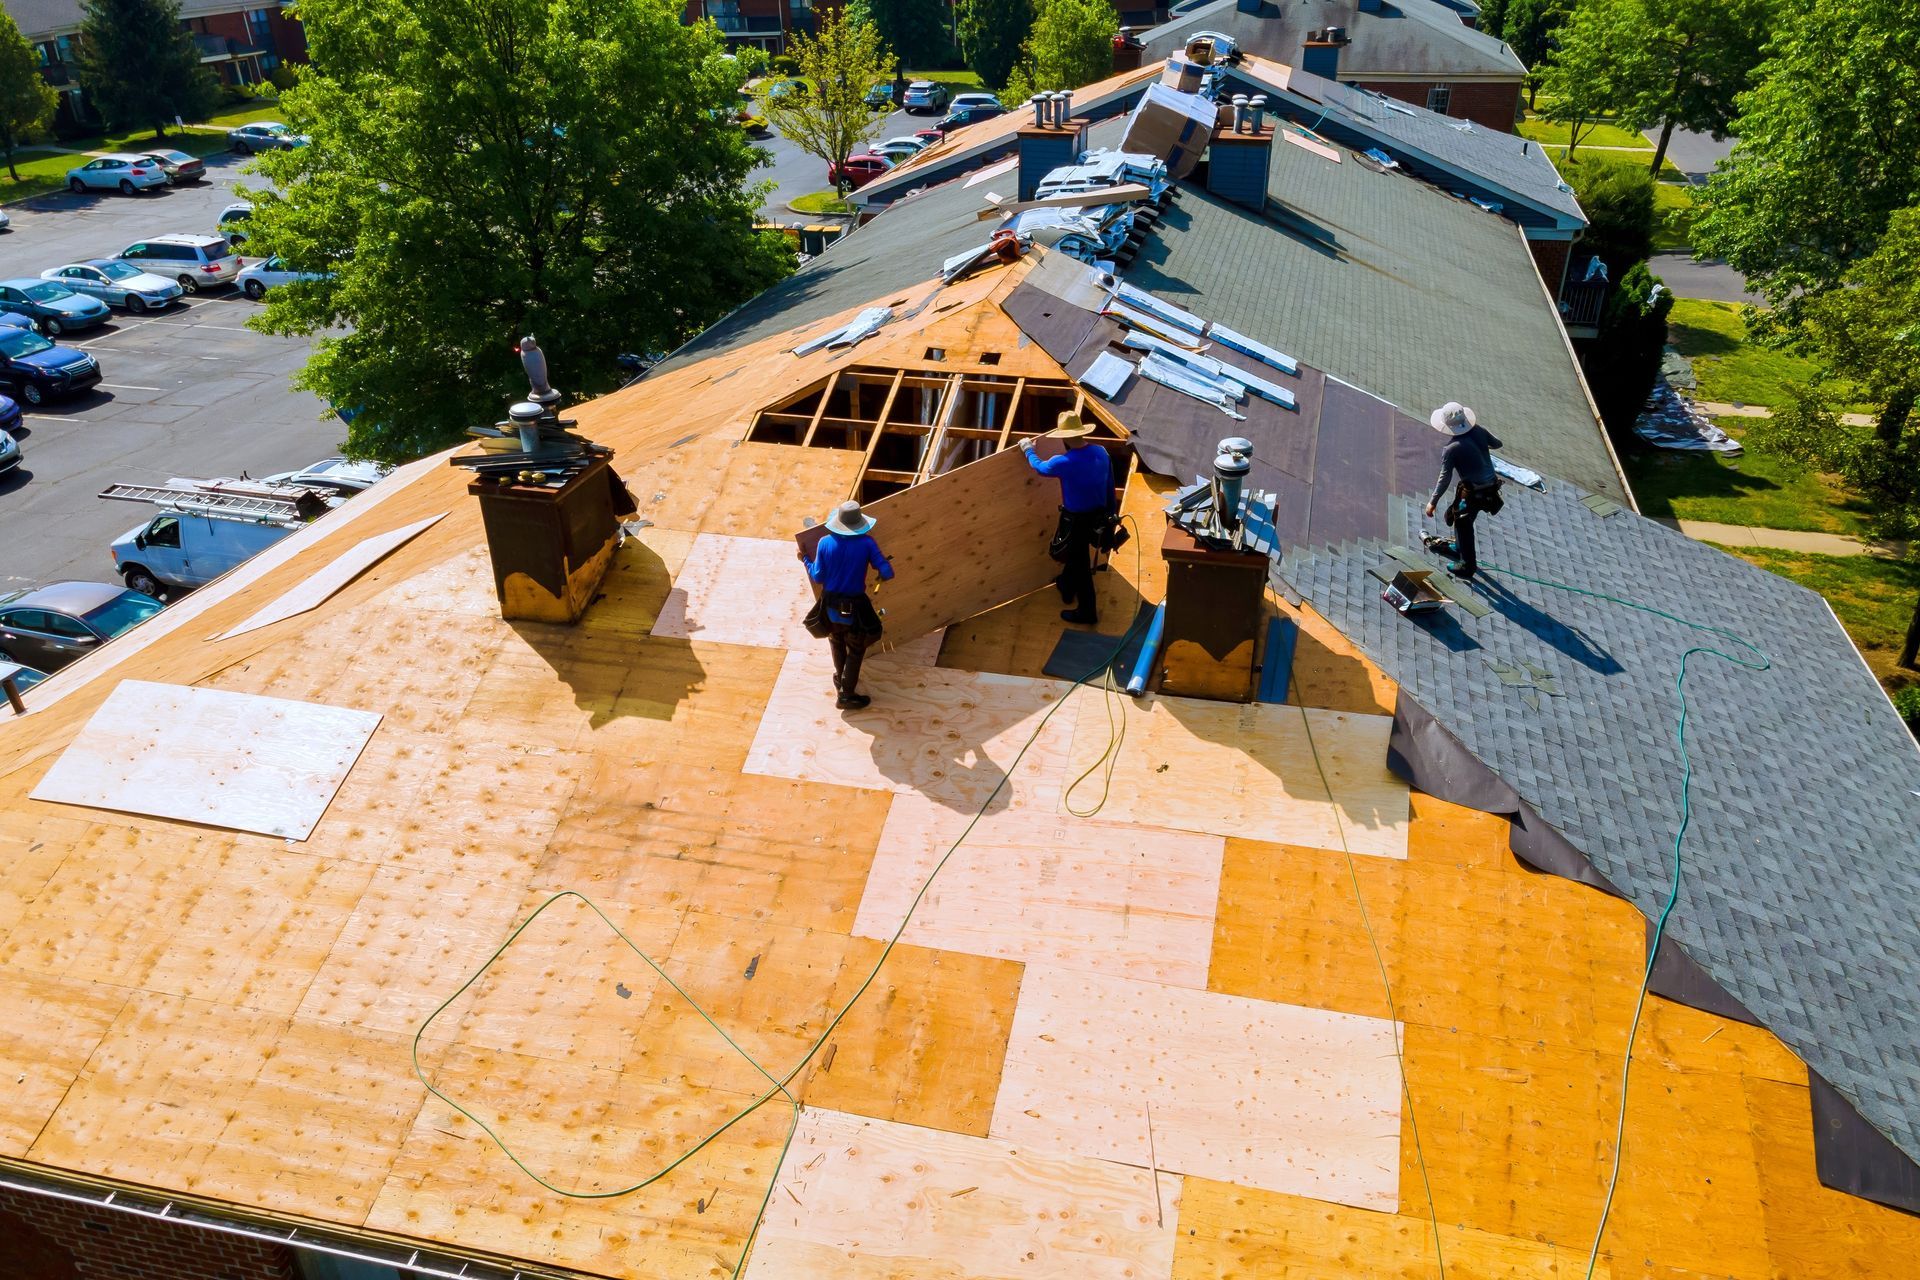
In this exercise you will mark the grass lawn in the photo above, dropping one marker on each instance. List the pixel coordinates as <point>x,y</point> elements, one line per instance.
<point>820,202</point>
<point>1756,488</point>
<point>1584,157</point>
<point>1601,135</point>
<point>961,81</point>
<point>1872,597</point>
<point>1672,217</point>
<point>1731,368</point>
<point>40,172</point>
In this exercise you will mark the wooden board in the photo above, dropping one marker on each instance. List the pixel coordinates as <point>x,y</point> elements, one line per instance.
<point>1134,902</point>
<point>1244,1091</point>
<point>962,543</point>
<point>864,1199</point>
<point>231,760</point>
<point>50,1030</point>
<point>1277,773</point>
<point>948,735</point>
<point>344,568</point>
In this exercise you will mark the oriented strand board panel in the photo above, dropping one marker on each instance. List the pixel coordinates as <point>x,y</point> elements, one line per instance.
<point>951,736</point>
<point>345,567</point>
<point>233,760</point>
<point>963,542</point>
<point>869,1200</point>
<point>1243,1091</point>
<point>1259,770</point>
<point>751,591</point>
<point>1048,888</point>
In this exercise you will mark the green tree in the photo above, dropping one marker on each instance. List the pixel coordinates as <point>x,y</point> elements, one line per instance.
<point>27,102</point>
<point>1828,150</point>
<point>483,169</point>
<point>991,33</point>
<point>1530,28</point>
<point>1618,202</point>
<point>916,30</point>
<point>840,65</point>
<point>1592,59</point>
<point>1692,58</point>
<point>1071,44</point>
<point>1625,357</point>
<point>140,66</point>
<point>1866,335</point>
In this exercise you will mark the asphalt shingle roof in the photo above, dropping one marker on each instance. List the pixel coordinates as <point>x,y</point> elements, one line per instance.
<point>1409,39</point>
<point>1802,864</point>
<point>1384,282</point>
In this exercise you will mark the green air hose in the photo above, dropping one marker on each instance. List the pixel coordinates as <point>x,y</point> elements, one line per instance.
<point>1758,662</point>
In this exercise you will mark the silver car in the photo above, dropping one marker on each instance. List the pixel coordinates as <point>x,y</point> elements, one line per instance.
<point>265,135</point>
<point>270,273</point>
<point>126,173</point>
<point>117,283</point>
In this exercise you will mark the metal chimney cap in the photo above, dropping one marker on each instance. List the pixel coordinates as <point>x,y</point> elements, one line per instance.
<point>1237,444</point>
<point>526,412</point>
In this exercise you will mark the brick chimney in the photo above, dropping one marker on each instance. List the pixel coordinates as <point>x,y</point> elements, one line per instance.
<point>1051,139</point>
<point>1127,51</point>
<point>1320,54</point>
<point>1241,153</point>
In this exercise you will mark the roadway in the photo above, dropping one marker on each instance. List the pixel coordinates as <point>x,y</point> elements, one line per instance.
<point>187,392</point>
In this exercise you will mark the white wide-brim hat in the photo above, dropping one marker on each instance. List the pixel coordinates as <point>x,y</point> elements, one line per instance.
<point>1453,418</point>
<point>849,519</point>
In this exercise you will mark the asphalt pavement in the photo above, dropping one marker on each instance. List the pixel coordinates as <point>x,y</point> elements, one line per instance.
<point>795,173</point>
<point>186,392</point>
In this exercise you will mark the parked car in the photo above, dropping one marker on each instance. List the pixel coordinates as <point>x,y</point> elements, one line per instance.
<point>788,88</point>
<point>180,550</point>
<point>965,116</point>
<point>5,221</point>
<point>195,262</point>
<point>179,167</point>
<point>266,135</point>
<point>55,308</point>
<point>926,98</point>
<point>116,283</point>
<point>48,627</point>
<point>270,273</point>
<point>36,370</point>
<point>859,169</point>
<point>10,456</point>
<point>9,416</point>
<point>335,477</point>
<point>232,223</point>
<point>23,677</point>
<point>124,172</point>
<point>897,149</point>
<point>8,320</point>
<point>880,96</point>
<point>962,100</point>
<point>930,135</point>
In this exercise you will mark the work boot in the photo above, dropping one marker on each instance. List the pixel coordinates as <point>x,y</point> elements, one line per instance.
<point>1459,570</point>
<point>852,701</point>
<point>1086,616</point>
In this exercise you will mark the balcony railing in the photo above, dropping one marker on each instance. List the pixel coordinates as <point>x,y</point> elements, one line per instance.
<point>1581,303</point>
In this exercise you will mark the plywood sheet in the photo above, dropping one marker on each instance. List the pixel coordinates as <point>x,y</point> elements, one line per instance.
<point>1049,888</point>
<point>1244,1091</point>
<point>344,568</point>
<point>951,736</point>
<point>231,760</point>
<point>51,1029</point>
<point>1264,771</point>
<point>963,542</point>
<point>865,1199</point>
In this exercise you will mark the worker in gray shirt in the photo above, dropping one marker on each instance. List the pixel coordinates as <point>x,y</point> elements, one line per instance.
<point>1469,457</point>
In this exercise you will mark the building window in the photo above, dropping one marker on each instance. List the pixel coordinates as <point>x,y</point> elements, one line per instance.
<point>63,50</point>
<point>1439,98</point>
<point>260,28</point>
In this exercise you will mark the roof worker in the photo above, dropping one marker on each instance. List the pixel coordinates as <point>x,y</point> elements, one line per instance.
<point>1085,473</point>
<point>845,616</point>
<point>1469,457</point>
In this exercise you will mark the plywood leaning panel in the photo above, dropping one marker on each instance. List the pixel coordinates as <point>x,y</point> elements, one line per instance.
<point>1048,888</point>
<point>862,1199</point>
<point>233,760</point>
<point>1244,1091</point>
<point>962,543</point>
<point>345,567</point>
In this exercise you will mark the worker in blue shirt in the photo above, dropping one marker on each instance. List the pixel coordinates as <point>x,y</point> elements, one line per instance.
<point>1469,457</point>
<point>1085,473</point>
<point>839,565</point>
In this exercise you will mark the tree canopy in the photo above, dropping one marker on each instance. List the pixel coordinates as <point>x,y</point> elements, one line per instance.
<point>832,120</point>
<point>1071,44</point>
<point>1828,150</point>
<point>1690,60</point>
<point>140,66</point>
<point>483,169</point>
<point>1583,78</point>
<point>27,102</point>
<point>991,33</point>
<point>916,30</point>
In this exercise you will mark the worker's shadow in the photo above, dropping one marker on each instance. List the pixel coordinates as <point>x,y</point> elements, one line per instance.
<point>944,761</point>
<point>1567,640</point>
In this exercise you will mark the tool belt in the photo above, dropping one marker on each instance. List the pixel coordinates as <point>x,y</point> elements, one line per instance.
<point>1099,529</point>
<point>837,609</point>
<point>1473,498</point>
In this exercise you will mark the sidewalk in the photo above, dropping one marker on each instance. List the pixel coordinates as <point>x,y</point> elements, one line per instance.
<point>1717,409</point>
<point>1817,544</point>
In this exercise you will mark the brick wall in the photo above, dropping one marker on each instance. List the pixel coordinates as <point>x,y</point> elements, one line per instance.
<point>289,37</point>
<point>1491,105</point>
<point>1551,257</point>
<point>47,1239</point>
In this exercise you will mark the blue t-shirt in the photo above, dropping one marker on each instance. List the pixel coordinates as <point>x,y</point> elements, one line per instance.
<point>840,563</point>
<point>1085,475</point>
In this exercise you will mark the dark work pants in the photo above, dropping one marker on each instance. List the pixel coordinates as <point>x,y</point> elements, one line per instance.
<point>849,650</point>
<point>1463,519</point>
<point>1076,568</point>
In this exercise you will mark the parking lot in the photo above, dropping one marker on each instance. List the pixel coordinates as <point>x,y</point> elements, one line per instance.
<point>190,391</point>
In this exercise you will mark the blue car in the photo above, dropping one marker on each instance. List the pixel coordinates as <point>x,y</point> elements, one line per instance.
<point>55,308</point>
<point>36,370</point>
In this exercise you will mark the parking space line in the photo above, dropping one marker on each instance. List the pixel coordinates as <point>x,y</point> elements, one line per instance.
<point>123,386</point>
<point>225,328</point>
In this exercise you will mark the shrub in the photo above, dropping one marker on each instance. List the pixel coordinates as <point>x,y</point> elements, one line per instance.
<point>1907,702</point>
<point>785,65</point>
<point>282,77</point>
<point>1618,200</point>
<point>1625,357</point>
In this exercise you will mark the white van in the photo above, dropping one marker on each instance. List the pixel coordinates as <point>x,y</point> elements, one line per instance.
<point>179,550</point>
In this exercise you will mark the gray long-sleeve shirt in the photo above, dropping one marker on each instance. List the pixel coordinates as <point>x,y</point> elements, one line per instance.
<point>1469,456</point>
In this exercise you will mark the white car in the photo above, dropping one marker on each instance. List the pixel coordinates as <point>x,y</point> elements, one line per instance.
<point>270,273</point>
<point>125,173</point>
<point>897,149</point>
<point>334,477</point>
<point>195,262</point>
<point>5,221</point>
<point>116,283</point>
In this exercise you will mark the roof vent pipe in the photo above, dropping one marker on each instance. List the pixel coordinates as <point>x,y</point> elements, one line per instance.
<point>1230,467</point>
<point>1256,111</point>
<point>1239,113</point>
<point>1042,107</point>
<point>1063,107</point>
